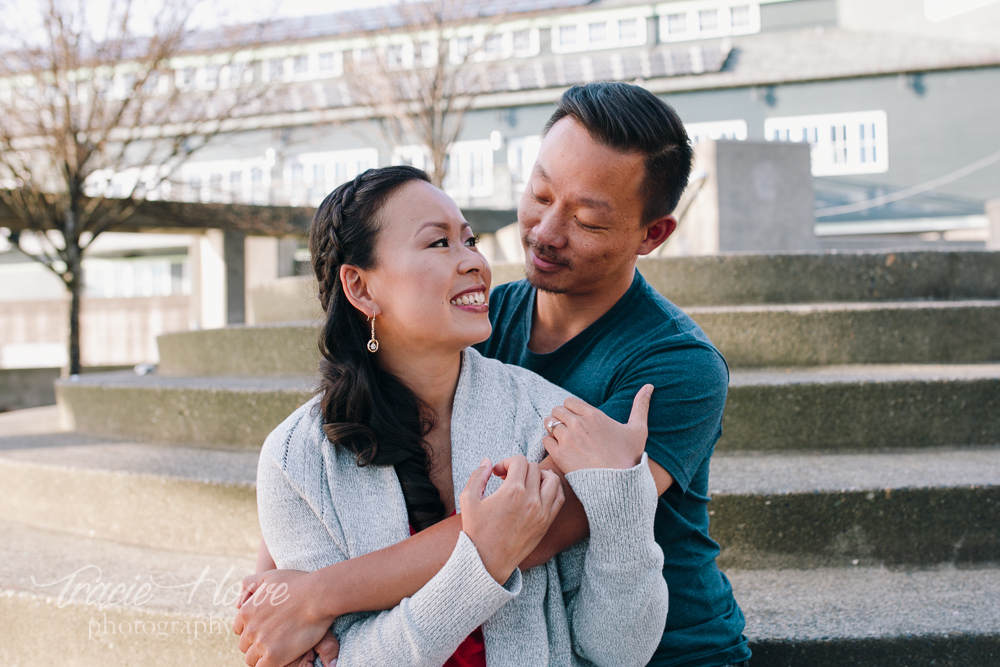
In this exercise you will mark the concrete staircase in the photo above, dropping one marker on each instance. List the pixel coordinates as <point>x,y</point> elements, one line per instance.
<point>856,489</point>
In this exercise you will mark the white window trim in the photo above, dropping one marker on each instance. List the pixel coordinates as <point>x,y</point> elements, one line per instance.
<point>582,24</point>
<point>826,161</point>
<point>694,31</point>
<point>715,130</point>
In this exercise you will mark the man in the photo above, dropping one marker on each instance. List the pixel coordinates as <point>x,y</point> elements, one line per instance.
<point>613,163</point>
<point>611,168</point>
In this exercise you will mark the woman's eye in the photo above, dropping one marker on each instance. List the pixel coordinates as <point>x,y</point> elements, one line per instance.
<point>440,243</point>
<point>472,241</point>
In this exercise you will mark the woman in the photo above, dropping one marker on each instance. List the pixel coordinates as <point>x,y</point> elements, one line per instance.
<point>406,412</point>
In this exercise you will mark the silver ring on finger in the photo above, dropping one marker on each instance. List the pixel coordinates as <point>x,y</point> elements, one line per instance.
<point>551,424</point>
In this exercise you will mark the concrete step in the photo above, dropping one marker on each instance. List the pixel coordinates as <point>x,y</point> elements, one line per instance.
<point>104,604</point>
<point>922,507</point>
<point>169,497</point>
<point>920,332</point>
<point>871,617</point>
<point>288,349</point>
<point>746,279</point>
<point>193,410</point>
<point>917,332</point>
<point>862,407</point>
<point>832,407</point>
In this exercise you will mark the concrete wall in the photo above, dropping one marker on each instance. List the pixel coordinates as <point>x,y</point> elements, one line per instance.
<point>746,196</point>
<point>27,388</point>
<point>114,332</point>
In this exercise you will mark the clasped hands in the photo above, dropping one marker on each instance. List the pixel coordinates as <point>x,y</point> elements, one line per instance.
<point>281,627</point>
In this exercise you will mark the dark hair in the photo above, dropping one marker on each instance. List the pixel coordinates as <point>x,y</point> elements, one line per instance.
<point>632,119</point>
<point>367,410</point>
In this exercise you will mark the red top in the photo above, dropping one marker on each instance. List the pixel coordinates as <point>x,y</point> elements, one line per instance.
<point>472,651</point>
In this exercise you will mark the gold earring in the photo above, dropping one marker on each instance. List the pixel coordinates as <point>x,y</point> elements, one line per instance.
<point>373,344</point>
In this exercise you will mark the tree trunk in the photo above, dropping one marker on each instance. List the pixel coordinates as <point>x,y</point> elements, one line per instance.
<point>74,283</point>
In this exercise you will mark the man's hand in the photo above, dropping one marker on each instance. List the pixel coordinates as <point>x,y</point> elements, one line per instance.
<point>277,623</point>
<point>581,436</point>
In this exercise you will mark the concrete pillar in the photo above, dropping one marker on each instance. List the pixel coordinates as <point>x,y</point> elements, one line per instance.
<point>993,215</point>
<point>208,280</point>
<point>286,256</point>
<point>747,196</point>
<point>234,252</point>
<point>261,268</point>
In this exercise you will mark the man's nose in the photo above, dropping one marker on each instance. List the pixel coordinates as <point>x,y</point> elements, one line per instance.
<point>551,228</point>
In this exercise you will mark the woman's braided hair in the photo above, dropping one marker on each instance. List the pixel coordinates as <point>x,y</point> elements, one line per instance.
<point>366,410</point>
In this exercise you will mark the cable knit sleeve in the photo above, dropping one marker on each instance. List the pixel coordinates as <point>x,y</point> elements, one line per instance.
<point>618,612</point>
<point>424,629</point>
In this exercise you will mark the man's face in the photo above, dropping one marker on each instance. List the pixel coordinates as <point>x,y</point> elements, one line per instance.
<point>580,214</point>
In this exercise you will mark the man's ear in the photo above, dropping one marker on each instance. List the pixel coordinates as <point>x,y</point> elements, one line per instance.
<point>656,233</point>
<point>356,289</point>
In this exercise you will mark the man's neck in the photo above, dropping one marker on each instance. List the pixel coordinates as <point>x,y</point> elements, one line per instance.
<point>558,318</point>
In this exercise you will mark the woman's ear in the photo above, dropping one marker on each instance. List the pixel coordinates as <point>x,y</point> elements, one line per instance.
<point>356,289</point>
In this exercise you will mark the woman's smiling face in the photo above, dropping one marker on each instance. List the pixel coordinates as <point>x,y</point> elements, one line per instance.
<point>430,284</point>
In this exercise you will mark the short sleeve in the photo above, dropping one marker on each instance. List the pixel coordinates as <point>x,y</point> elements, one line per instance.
<point>690,383</point>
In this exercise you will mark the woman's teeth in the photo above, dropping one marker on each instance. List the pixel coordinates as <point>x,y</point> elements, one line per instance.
<point>472,298</point>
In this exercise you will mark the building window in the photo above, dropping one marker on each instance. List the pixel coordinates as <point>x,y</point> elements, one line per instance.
<point>522,41</point>
<point>598,32</point>
<point>275,69</point>
<point>841,144</point>
<point>627,29</point>
<point>740,16</point>
<point>707,19</point>
<point>677,24</point>
<point>300,64</point>
<point>567,35</point>
<point>327,62</point>
<point>715,130</point>
<point>493,46</point>
<point>470,169</point>
<point>312,176</point>
<point>521,156</point>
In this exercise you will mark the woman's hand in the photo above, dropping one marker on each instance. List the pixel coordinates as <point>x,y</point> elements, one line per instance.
<point>508,525</point>
<point>277,623</point>
<point>581,436</point>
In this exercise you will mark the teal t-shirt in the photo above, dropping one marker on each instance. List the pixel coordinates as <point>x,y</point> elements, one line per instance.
<point>646,339</point>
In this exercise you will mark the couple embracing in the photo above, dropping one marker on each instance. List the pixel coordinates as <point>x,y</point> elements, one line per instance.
<point>515,477</point>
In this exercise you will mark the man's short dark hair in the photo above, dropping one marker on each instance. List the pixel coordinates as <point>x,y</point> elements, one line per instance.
<point>631,119</point>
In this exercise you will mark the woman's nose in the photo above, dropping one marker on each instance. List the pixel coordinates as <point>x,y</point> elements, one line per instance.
<point>472,261</point>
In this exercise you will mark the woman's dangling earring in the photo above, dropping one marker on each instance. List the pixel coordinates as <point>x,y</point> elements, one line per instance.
<point>373,344</point>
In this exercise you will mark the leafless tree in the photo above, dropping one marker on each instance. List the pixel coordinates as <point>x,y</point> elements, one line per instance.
<point>427,63</point>
<point>97,112</point>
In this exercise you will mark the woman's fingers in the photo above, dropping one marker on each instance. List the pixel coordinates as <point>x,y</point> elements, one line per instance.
<point>328,648</point>
<point>476,486</point>
<point>550,492</point>
<point>532,480</point>
<point>517,469</point>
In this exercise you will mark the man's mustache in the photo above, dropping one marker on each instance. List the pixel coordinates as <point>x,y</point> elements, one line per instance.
<point>548,253</point>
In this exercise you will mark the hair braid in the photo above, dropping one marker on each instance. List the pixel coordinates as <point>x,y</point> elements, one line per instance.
<point>367,410</point>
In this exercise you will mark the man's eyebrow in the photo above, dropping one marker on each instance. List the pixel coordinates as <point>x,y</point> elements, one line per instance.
<point>594,202</point>
<point>590,202</point>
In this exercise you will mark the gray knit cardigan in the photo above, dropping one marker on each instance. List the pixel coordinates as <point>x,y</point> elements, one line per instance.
<point>603,601</point>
